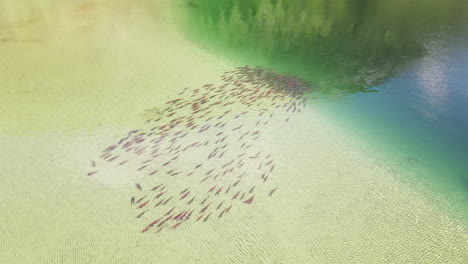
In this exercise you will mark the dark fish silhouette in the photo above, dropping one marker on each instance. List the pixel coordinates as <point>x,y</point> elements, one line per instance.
<point>165,202</point>
<point>159,203</point>
<point>156,187</point>
<point>141,199</point>
<point>186,189</point>
<point>143,204</point>
<point>91,173</point>
<point>176,225</point>
<point>141,214</point>
<point>271,192</point>
<point>185,195</point>
<point>170,211</point>
<point>250,200</point>
<point>207,217</point>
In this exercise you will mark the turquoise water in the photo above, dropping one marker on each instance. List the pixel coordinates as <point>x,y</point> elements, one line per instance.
<point>79,78</point>
<point>421,118</point>
<point>391,72</point>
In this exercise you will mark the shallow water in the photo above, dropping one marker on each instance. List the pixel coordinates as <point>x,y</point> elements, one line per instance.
<point>392,72</point>
<point>78,76</point>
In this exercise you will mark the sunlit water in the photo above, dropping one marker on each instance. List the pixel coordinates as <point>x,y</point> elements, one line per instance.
<point>420,117</point>
<point>77,76</point>
<point>393,72</point>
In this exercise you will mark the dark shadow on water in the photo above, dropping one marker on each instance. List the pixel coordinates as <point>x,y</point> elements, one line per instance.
<point>342,46</point>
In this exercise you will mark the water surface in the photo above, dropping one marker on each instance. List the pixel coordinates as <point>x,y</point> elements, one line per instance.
<point>393,72</point>
<point>77,76</point>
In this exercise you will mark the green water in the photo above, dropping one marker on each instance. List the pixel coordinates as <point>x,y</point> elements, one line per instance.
<point>348,46</point>
<point>76,76</point>
<point>392,72</point>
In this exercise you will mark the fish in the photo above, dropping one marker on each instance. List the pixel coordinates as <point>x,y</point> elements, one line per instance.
<point>183,215</point>
<point>91,173</point>
<point>123,162</point>
<point>179,215</point>
<point>132,201</point>
<point>235,195</point>
<point>221,214</point>
<point>212,188</point>
<point>191,200</point>
<point>219,190</point>
<point>188,216</point>
<point>165,202</point>
<point>159,230</point>
<point>155,222</point>
<point>204,179</point>
<point>149,226</point>
<point>141,214</point>
<point>143,204</point>
<point>185,195</point>
<point>219,206</point>
<point>141,199</point>
<point>251,190</point>
<point>204,200</point>
<point>186,189</point>
<point>178,224</point>
<point>207,217</point>
<point>156,187</point>
<point>159,195</point>
<point>271,192</point>
<point>204,208</point>
<point>170,211</point>
<point>160,202</point>
<point>138,186</point>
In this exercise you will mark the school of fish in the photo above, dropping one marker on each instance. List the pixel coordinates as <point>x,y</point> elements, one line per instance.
<point>201,158</point>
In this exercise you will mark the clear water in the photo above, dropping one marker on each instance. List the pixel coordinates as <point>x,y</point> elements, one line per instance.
<point>393,72</point>
<point>77,76</point>
<point>420,117</point>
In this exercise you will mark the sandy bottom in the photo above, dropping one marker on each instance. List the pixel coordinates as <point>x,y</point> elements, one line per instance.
<point>333,205</point>
<point>93,79</point>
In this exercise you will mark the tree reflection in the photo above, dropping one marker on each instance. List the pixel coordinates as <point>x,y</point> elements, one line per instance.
<point>341,46</point>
